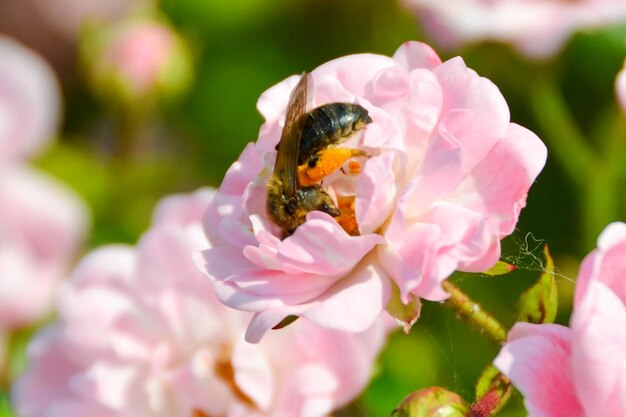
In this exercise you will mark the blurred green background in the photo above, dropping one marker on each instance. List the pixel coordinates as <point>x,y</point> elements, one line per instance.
<point>241,48</point>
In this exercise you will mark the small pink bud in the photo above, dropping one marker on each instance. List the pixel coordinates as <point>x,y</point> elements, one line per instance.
<point>136,60</point>
<point>432,402</point>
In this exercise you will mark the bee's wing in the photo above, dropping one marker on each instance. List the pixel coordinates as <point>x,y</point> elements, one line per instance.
<point>287,157</point>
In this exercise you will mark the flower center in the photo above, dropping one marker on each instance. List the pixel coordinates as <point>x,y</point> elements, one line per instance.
<point>224,369</point>
<point>199,413</point>
<point>347,219</point>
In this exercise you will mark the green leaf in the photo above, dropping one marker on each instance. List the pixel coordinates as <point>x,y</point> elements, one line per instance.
<point>285,322</point>
<point>493,390</point>
<point>500,268</point>
<point>5,405</point>
<point>405,314</point>
<point>539,303</point>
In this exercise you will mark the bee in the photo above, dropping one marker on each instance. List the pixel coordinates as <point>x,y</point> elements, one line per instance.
<point>305,156</point>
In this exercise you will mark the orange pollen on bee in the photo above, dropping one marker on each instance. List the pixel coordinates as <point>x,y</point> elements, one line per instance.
<point>198,413</point>
<point>347,219</point>
<point>326,162</point>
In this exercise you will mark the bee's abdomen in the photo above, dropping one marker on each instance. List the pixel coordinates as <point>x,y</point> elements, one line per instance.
<point>329,125</point>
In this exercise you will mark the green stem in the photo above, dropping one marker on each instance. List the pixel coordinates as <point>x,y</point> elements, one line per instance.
<point>567,142</point>
<point>596,174</point>
<point>5,405</point>
<point>614,140</point>
<point>5,369</point>
<point>474,313</point>
<point>601,201</point>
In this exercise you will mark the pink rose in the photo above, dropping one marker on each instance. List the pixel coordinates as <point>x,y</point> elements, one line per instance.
<point>537,28</point>
<point>42,225</point>
<point>140,333</point>
<point>30,101</point>
<point>446,179</point>
<point>581,370</point>
<point>620,86</point>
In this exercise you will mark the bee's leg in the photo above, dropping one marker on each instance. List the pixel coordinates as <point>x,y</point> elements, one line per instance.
<point>325,163</point>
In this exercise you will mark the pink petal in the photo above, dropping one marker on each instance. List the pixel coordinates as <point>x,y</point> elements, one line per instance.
<point>225,208</point>
<point>198,387</point>
<point>268,318</point>
<point>620,87</point>
<point>537,359</point>
<point>338,308</point>
<point>464,89</point>
<point>232,270</point>
<point>134,335</point>
<point>423,107</point>
<point>411,102</point>
<point>109,264</point>
<point>606,263</point>
<point>438,175</point>
<point>183,209</point>
<point>320,246</point>
<point>598,346</point>
<point>30,104</point>
<point>327,367</point>
<point>341,306</point>
<point>34,393</point>
<point>537,29</point>
<point>408,249</point>
<point>499,184</point>
<point>353,72</point>
<point>26,287</point>
<point>383,133</point>
<point>165,257</point>
<point>424,252</point>
<point>273,101</point>
<point>376,192</point>
<point>42,213</point>
<point>107,383</point>
<point>98,296</point>
<point>253,374</point>
<point>412,55</point>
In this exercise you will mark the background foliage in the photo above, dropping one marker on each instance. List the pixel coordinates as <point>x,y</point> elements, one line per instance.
<point>240,48</point>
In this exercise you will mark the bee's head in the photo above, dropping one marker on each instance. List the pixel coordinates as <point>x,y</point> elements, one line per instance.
<point>315,198</point>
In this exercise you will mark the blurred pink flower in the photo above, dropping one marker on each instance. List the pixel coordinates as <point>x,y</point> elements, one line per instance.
<point>446,180</point>
<point>141,334</point>
<point>538,28</point>
<point>578,371</point>
<point>42,225</point>
<point>68,17</point>
<point>620,86</point>
<point>30,101</point>
<point>41,222</point>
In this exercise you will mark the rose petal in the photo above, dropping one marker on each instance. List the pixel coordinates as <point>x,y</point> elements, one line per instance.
<point>499,184</point>
<point>411,55</point>
<point>537,359</point>
<point>30,104</point>
<point>599,343</point>
<point>340,307</point>
<point>376,192</point>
